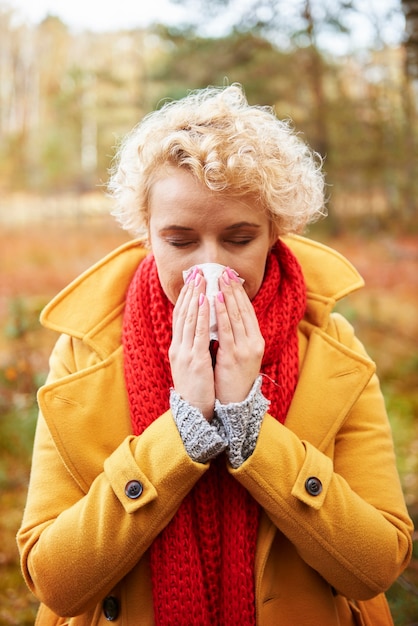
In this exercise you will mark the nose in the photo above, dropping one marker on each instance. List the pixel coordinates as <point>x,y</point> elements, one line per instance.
<point>211,252</point>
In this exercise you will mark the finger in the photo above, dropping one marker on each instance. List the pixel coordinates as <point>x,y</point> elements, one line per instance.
<point>237,306</point>
<point>201,337</point>
<point>180,311</point>
<point>193,311</point>
<point>225,335</point>
<point>247,312</point>
<point>187,316</point>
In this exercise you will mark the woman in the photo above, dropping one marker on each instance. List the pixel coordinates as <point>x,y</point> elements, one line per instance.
<point>180,480</point>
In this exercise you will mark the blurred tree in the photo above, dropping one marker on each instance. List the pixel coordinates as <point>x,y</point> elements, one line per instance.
<point>410,93</point>
<point>199,61</point>
<point>289,24</point>
<point>270,76</point>
<point>18,96</point>
<point>63,100</point>
<point>53,141</point>
<point>410,8</point>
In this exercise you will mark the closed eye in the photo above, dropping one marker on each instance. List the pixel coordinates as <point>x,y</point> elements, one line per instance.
<point>240,241</point>
<point>180,243</point>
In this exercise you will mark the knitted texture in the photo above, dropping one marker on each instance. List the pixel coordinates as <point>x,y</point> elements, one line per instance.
<point>202,563</point>
<point>202,440</point>
<point>240,423</point>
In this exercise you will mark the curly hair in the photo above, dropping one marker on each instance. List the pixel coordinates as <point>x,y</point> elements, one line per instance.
<point>229,146</point>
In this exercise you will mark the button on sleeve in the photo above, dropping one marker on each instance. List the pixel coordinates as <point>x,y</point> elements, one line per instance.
<point>122,471</point>
<point>111,608</point>
<point>314,478</point>
<point>133,489</point>
<point>313,486</point>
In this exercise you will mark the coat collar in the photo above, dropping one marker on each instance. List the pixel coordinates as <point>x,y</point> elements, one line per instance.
<point>332,378</point>
<point>329,277</point>
<point>89,308</point>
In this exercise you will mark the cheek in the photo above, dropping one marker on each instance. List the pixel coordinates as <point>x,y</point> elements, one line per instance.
<point>171,283</point>
<point>171,280</point>
<point>252,288</point>
<point>253,282</point>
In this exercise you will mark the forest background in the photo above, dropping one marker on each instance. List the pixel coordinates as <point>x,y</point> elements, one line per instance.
<point>67,97</point>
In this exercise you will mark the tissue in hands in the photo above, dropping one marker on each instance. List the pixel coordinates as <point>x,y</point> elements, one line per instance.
<point>211,272</point>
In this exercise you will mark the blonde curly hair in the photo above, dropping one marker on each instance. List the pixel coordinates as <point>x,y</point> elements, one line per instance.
<point>229,146</point>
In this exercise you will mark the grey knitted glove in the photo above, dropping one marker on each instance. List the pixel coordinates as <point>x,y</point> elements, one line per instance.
<point>240,423</point>
<point>234,427</point>
<point>201,438</point>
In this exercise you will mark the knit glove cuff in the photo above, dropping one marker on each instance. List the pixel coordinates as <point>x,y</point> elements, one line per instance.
<point>201,438</point>
<point>240,423</point>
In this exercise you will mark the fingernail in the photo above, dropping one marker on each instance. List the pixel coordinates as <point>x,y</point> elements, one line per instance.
<point>197,279</point>
<point>226,277</point>
<point>201,299</point>
<point>191,275</point>
<point>220,297</point>
<point>232,274</point>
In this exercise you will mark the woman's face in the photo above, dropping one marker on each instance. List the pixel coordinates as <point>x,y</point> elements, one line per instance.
<point>190,225</point>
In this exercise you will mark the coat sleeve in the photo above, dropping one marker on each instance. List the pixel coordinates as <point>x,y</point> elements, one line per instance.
<point>354,528</point>
<point>79,538</point>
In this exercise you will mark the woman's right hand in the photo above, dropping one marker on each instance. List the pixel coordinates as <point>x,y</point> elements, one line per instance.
<point>190,359</point>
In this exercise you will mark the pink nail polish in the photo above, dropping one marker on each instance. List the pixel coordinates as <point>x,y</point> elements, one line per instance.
<point>232,274</point>
<point>225,276</point>
<point>201,299</point>
<point>190,275</point>
<point>220,297</point>
<point>194,273</point>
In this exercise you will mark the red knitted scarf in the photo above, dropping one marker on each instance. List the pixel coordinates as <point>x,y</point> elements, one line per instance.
<point>202,563</point>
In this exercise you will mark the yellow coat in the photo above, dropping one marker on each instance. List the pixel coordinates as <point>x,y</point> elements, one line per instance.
<point>83,541</point>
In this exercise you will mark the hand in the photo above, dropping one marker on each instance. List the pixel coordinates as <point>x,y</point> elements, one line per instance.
<point>190,360</point>
<point>241,344</point>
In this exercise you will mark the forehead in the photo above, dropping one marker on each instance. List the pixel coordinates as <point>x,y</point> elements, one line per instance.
<point>178,197</point>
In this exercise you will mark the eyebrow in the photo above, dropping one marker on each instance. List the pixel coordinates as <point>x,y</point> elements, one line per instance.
<point>243,225</point>
<point>175,227</point>
<point>231,227</point>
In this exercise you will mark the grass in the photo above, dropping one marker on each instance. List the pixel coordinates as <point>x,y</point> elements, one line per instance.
<point>17,605</point>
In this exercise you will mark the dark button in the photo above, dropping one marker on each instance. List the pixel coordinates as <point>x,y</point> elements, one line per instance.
<point>111,608</point>
<point>313,486</point>
<point>133,489</point>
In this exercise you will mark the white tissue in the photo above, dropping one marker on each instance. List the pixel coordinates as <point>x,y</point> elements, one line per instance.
<point>211,272</point>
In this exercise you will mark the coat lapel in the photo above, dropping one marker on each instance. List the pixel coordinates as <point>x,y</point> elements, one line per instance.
<point>331,380</point>
<point>89,407</point>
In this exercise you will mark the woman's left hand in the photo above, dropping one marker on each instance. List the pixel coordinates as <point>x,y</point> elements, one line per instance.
<point>241,344</point>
